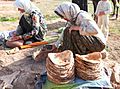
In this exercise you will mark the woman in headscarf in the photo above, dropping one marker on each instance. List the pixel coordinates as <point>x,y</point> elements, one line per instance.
<point>32,26</point>
<point>82,35</point>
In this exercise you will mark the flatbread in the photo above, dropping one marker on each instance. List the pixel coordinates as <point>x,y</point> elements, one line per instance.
<point>61,58</point>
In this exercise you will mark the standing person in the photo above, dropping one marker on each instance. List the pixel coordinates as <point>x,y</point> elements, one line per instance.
<point>82,4</point>
<point>102,12</point>
<point>82,35</point>
<point>95,2</point>
<point>32,26</point>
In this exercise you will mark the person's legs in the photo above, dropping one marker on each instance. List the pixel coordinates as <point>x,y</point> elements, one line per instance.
<point>85,5</point>
<point>106,26</point>
<point>79,3</point>
<point>99,22</point>
<point>74,1</point>
<point>95,2</point>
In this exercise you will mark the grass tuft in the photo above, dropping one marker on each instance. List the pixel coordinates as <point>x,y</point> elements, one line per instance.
<point>11,19</point>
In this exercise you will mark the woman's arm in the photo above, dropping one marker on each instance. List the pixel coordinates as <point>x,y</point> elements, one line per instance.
<point>86,28</point>
<point>43,24</point>
<point>37,26</point>
<point>109,8</point>
<point>89,27</point>
<point>74,28</point>
<point>15,38</point>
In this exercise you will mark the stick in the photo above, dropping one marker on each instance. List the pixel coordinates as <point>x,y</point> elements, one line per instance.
<point>33,44</point>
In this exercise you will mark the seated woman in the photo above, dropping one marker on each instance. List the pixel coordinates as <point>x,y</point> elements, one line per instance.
<point>82,35</point>
<point>32,26</point>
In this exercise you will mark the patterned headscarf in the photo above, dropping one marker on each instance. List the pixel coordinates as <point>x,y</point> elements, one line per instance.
<point>68,10</point>
<point>73,13</point>
<point>26,5</point>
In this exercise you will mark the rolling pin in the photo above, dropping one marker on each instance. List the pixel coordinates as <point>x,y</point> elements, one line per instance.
<point>33,44</point>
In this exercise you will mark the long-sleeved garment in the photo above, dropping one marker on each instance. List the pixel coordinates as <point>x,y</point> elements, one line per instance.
<point>88,26</point>
<point>104,6</point>
<point>32,24</point>
<point>85,39</point>
<point>103,20</point>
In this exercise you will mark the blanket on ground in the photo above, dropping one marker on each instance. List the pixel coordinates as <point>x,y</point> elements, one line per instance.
<point>78,83</point>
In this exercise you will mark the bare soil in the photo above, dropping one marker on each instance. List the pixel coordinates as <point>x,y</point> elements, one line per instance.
<point>22,61</point>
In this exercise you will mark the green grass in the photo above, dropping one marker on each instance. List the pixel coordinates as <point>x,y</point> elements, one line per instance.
<point>11,19</point>
<point>115,30</point>
<point>51,17</point>
<point>115,27</point>
<point>47,8</point>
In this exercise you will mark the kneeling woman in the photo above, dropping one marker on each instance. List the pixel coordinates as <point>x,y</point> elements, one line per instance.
<point>82,35</point>
<point>32,26</point>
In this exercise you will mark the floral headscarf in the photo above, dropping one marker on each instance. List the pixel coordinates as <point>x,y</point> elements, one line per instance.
<point>80,18</point>
<point>68,10</point>
<point>26,5</point>
<point>73,13</point>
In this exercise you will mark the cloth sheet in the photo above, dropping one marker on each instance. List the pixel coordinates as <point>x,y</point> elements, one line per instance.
<point>78,83</point>
<point>6,34</point>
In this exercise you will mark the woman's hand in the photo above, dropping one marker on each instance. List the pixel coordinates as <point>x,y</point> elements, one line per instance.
<point>101,13</point>
<point>54,47</point>
<point>15,38</point>
<point>13,34</point>
<point>75,28</point>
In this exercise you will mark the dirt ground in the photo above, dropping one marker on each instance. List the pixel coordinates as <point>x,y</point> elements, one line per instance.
<point>26,68</point>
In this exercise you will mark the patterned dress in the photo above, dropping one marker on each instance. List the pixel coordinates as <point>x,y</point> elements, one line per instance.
<point>32,26</point>
<point>87,38</point>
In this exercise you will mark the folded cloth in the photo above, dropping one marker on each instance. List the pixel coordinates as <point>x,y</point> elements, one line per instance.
<point>6,34</point>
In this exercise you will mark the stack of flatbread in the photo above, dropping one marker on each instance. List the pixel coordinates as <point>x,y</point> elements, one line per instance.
<point>60,67</point>
<point>89,67</point>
